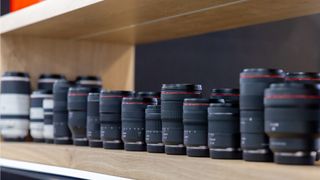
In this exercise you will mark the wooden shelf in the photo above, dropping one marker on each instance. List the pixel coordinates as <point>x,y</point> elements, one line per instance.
<point>143,165</point>
<point>143,21</point>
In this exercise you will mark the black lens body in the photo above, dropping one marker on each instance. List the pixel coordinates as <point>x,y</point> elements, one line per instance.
<point>254,141</point>
<point>48,119</point>
<point>292,122</point>
<point>46,81</point>
<point>225,95</point>
<point>77,108</point>
<point>133,122</point>
<point>172,97</point>
<point>92,82</point>
<point>195,125</point>
<point>154,129</point>
<point>14,116</point>
<point>61,133</point>
<point>110,118</point>
<point>93,120</point>
<point>303,77</point>
<point>149,94</point>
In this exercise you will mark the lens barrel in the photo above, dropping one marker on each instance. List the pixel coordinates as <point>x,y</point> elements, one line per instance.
<point>46,81</point>
<point>133,122</point>
<point>92,82</point>
<point>292,122</point>
<point>303,77</point>
<point>149,94</point>
<point>93,120</point>
<point>154,129</point>
<point>195,122</point>
<point>254,141</point>
<point>14,105</point>
<point>61,132</point>
<point>48,120</point>
<point>172,97</point>
<point>225,95</point>
<point>110,118</point>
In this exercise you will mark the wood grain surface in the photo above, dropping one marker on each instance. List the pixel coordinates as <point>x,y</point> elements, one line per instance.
<point>143,165</point>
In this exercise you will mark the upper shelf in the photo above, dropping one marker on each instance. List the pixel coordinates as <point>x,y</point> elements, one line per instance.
<point>144,21</point>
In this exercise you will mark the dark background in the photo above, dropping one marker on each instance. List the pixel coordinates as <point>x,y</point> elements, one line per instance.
<point>215,59</point>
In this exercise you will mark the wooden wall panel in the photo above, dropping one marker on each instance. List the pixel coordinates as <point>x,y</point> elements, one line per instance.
<point>113,62</point>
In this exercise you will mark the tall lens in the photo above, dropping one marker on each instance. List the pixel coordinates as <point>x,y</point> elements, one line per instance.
<point>46,81</point>
<point>172,97</point>
<point>93,120</point>
<point>154,129</point>
<point>110,118</point>
<point>224,131</point>
<point>303,77</point>
<point>37,114</point>
<point>77,108</point>
<point>61,132</point>
<point>195,121</point>
<point>292,122</point>
<point>92,82</point>
<point>133,122</point>
<point>14,105</point>
<point>254,141</point>
<point>225,95</point>
<point>48,120</point>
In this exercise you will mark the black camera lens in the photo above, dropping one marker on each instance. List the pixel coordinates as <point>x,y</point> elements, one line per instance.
<point>292,122</point>
<point>224,131</point>
<point>110,118</point>
<point>254,141</point>
<point>172,97</point>
<point>303,77</point>
<point>77,108</point>
<point>133,122</point>
<point>195,121</point>
<point>149,94</point>
<point>225,95</point>
<point>14,114</point>
<point>93,120</point>
<point>37,114</point>
<point>46,81</point>
<point>92,82</point>
<point>48,119</point>
<point>61,132</point>
<point>154,129</point>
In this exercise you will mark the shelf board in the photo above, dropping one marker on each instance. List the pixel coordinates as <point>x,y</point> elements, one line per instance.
<point>143,165</point>
<point>144,21</point>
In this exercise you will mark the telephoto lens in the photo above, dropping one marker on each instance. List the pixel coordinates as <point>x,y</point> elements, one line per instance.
<point>93,120</point>
<point>303,77</point>
<point>46,81</point>
<point>254,141</point>
<point>224,131</point>
<point>14,105</point>
<point>48,120</point>
<point>61,132</point>
<point>92,82</point>
<point>77,119</point>
<point>292,122</point>
<point>133,122</point>
<point>154,129</point>
<point>225,95</point>
<point>37,114</point>
<point>110,118</point>
<point>195,121</point>
<point>172,97</point>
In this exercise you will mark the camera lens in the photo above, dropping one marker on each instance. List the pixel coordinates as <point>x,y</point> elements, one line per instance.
<point>37,114</point>
<point>154,129</point>
<point>93,120</point>
<point>292,122</point>
<point>110,118</point>
<point>172,97</point>
<point>195,121</point>
<point>303,77</point>
<point>224,131</point>
<point>48,120</point>
<point>77,107</point>
<point>46,81</point>
<point>149,94</point>
<point>92,82</point>
<point>14,105</point>
<point>61,131</point>
<point>133,122</point>
<point>254,141</point>
<point>225,95</point>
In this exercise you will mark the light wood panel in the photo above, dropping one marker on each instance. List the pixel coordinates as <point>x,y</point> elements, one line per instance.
<point>113,62</point>
<point>144,21</point>
<point>143,165</point>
